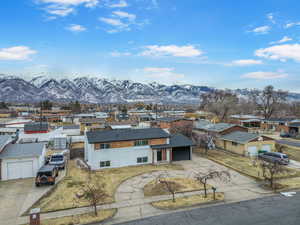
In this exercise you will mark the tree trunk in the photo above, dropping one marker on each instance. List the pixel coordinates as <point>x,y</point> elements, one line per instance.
<point>205,190</point>
<point>95,210</point>
<point>173,196</point>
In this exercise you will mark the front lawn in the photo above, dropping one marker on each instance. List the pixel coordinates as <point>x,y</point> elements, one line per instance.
<point>63,196</point>
<point>154,188</point>
<point>292,152</point>
<point>243,164</point>
<point>85,218</point>
<point>187,201</point>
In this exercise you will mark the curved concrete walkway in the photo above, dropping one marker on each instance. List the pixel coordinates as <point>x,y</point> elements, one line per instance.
<point>132,204</point>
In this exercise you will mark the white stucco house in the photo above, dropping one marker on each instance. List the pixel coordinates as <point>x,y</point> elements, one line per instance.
<point>129,147</point>
<point>21,160</point>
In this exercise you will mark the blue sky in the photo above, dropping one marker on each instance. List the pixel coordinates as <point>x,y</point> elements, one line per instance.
<point>220,43</point>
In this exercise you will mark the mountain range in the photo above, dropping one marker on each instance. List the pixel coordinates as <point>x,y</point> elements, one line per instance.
<point>101,90</point>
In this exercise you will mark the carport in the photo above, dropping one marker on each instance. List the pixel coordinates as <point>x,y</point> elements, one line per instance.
<point>179,148</point>
<point>181,153</point>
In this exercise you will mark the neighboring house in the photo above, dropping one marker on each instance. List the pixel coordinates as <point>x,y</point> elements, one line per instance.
<point>217,129</point>
<point>294,127</point>
<point>171,122</point>
<point>87,124</point>
<point>249,121</point>
<point>71,130</point>
<point>8,131</point>
<point>37,127</point>
<point>247,144</point>
<point>21,160</point>
<point>128,147</point>
<point>277,124</point>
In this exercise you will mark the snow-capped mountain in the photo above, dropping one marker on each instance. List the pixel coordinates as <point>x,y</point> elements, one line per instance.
<point>100,90</point>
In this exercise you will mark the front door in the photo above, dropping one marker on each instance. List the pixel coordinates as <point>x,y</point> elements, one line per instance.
<point>159,155</point>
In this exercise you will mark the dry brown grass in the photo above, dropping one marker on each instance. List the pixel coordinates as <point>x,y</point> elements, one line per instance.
<point>244,164</point>
<point>187,201</point>
<point>63,195</point>
<point>154,188</point>
<point>292,152</point>
<point>85,218</point>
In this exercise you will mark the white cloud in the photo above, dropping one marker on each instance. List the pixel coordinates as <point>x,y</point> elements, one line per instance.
<point>246,62</point>
<point>76,28</point>
<point>65,7</point>
<point>120,4</point>
<point>123,14</point>
<point>113,22</point>
<point>16,53</point>
<point>283,40</point>
<point>280,52</point>
<point>172,50</point>
<point>163,75</point>
<point>260,75</point>
<point>119,54</point>
<point>289,25</point>
<point>261,30</point>
<point>270,17</point>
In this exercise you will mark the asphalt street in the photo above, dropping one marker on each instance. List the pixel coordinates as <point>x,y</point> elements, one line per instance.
<point>275,210</point>
<point>291,143</point>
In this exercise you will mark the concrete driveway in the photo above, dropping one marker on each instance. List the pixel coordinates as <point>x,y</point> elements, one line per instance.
<point>13,194</point>
<point>17,196</point>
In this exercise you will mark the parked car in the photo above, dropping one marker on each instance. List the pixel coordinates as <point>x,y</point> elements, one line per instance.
<point>281,158</point>
<point>46,175</point>
<point>285,135</point>
<point>58,159</point>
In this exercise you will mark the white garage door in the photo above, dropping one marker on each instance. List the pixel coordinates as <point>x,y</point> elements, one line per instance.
<point>266,148</point>
<point>252,150</point>
<point>16,170</point>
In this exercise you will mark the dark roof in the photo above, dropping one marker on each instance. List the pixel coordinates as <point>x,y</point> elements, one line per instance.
<point>66,127</point>
<point>240,137</point>
<point>176,140</point>
<point>169,119</point>
<point>282,120</point>
<point>3,140</point>
<point>295,124</point>
<point>37,126</point>
<point>125,135</point>
<point>22,150</point>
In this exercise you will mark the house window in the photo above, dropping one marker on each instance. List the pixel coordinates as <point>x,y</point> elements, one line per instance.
<point>104,145</point>
<point>140,142</point>
<point>104,163</point>
<point>88,124</point>
<point>142,159</point>
<point>234,143</point>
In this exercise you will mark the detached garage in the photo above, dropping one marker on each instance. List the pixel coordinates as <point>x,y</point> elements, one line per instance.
<point>181,153</point>
<point>19,161</point>
<point>247,144</point>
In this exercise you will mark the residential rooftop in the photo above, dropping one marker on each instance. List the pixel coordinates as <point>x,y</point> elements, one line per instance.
<point>240,137</point>
<point>125,135</point>
<point>37,126</point>
<point>22,150</point>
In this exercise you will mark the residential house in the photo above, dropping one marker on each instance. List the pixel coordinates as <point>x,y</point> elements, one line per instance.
<point>277,124</point>
<point>36,127</point>
<point>216,130</point>
<point>21,160</point>
<point>128,147</point>
<point>294,127</point>
<point>172,122</point>
<point>246,144</point>
<point>4,141</point>
<point>249,121</point>
<point>87,124</point>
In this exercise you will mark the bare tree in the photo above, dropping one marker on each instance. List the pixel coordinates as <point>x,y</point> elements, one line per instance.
<point>295,109</point>
<point>94,192</point>
<point>185,130</point>
<point>204,141</point>
<point>268,100</point>
<point>221,103</point>
<point>270,170</point>
<point>223,176</point>
<point>168,185</point>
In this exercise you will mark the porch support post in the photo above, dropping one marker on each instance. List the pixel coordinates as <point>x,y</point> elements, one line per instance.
<point>168,155</point>
<point>154,156</point>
